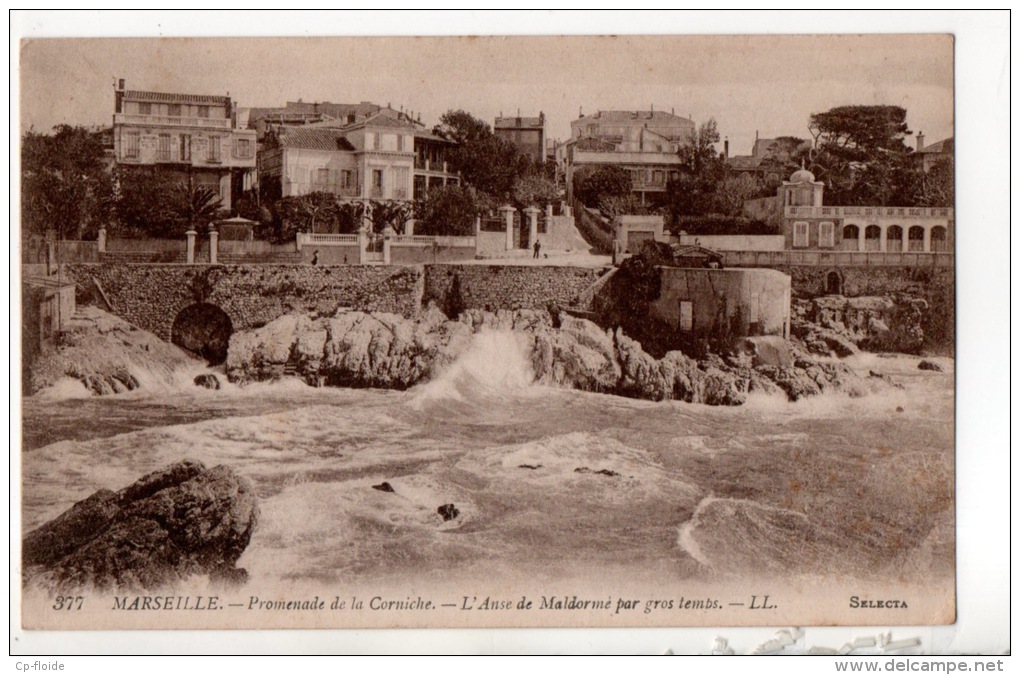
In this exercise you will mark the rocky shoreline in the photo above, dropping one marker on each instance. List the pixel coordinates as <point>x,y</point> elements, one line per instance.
<point>106,355</point>
<point>381,350</point>
<point>359,349</point>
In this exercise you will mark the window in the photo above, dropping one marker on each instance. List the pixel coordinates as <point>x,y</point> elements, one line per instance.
<point>346,178</point>
<point>894,239</point>
<point>401,176</point>
<point>938,240</point>
<point>800,234</point>
<point>214,149</point>
<point>203,111</point>
<point>400,142</point>
<point>658,177</point>
<point>851,233</point>
<point>826,235</point>
<point>872,238</point>
<point>915,238</point>
<point>144,108</point>
<point>163,150</point>
<point>376,141</point>
<point>174,110</point>
<point>131,141</point>
<point>377,183</point>
<point>242,147</point>
<point>322,176</point>
<point>686,315</point>
<point>185,148</point>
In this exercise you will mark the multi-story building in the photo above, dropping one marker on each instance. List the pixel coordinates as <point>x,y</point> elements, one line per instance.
<point>194,135</point>
<point>376,158</point>
<point>809,225</point>
<point>644,142</point>
<point>431,169</point>
<point>527,134</point>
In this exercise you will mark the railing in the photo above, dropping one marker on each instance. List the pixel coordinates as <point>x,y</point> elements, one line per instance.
<point>400,193</point>
<point>883,211</point>
<point>412,239</point>
<point>455,242</point>
<point>176,121</point>
<point>836,259</point>
<point>375,192</point>
<point>334,239</point>
<point>428,165</point>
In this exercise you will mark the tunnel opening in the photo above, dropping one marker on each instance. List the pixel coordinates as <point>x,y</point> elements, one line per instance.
<point>204,330</point>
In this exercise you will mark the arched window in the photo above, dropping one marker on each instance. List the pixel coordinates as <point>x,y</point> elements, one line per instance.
<point>938,240</point>
<point>851,233</point>
<point>873,238</point>
<point>894,238</point>
<point>915,239</point>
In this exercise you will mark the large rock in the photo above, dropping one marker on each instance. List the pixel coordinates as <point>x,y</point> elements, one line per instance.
<point>172,524</point>
<point>841,325</point>
<point>105,353</point>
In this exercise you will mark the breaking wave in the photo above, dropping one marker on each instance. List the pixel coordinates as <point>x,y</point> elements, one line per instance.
<point>496,363</point>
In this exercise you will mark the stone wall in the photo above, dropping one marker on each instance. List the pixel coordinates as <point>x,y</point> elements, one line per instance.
<point>151,296</point>
<point>413,254</point>
<point>491,244</point>
<point>936,285</point>
<point>509,286</point>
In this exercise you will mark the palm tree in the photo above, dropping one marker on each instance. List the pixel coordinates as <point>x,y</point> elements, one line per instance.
<point>202,205</point>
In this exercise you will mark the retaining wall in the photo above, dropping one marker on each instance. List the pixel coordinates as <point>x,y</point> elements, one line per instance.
<point>510,286</point>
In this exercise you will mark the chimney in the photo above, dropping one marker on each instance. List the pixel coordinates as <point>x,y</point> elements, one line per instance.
<point>120,84</point>
<point>726,148</point>
<point>672,111</point>
<point>755,135</point>
<point>920,140</point>
<point>580,112</point>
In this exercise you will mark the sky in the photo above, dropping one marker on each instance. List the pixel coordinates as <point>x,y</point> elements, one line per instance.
<point>750,84</point>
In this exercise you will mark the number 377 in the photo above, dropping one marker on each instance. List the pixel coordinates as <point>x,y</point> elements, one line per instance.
<point>68,602</point>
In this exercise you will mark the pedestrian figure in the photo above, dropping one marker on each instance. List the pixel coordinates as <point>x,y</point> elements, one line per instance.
<point>315,257</point>
<point>538,247</point>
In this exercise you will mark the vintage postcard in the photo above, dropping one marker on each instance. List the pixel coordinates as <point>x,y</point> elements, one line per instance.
<point>455,332</point>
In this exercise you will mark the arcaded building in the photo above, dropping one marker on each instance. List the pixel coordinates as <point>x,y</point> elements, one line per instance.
<point>809,225</point>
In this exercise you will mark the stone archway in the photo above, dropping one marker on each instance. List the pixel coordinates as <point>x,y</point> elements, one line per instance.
<point>203,329</point>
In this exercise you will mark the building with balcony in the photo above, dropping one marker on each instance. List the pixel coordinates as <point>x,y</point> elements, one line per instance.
<point>431,169</point>
<point>809,225</point>
<point>371,159</point>
<point>527,134</point>
<point>645,143</point>
<point>194,135</point>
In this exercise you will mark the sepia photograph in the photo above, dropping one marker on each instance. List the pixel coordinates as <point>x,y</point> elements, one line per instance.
<point>487,331</point>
